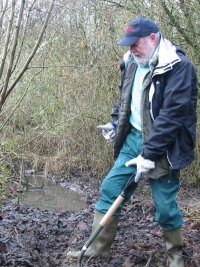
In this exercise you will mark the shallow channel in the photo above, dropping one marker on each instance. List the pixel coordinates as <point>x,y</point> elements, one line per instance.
<point>46,195</point>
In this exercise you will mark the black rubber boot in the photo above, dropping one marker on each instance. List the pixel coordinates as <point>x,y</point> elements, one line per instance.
<point>174,246</point>
<point>102,244</point>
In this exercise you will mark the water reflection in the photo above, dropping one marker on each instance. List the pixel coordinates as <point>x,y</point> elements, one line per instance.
<point>45,195</point>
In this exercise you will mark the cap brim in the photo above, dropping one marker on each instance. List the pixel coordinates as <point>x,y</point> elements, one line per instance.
<point>127,41</point>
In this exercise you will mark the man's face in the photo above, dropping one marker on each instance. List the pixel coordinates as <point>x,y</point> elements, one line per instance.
<point>143,49</point>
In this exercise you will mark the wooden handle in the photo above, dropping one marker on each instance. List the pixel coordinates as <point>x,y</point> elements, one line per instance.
<point>106,219</point>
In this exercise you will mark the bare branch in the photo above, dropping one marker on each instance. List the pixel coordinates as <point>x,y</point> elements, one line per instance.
<point>23,36</point>
<point>13,50</point>
<point>187,16</point>
<point>117,4</point>
<point>3,10</point>
<point>176,24</point>
<point>7,39</point>
<point>33,52</point>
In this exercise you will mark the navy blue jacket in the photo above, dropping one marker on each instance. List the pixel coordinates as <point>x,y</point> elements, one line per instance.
<point>172,109</point>
<point>174,114</point>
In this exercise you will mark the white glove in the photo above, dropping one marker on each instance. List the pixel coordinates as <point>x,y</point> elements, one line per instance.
<point>108,131</point>
<point>143,165</point>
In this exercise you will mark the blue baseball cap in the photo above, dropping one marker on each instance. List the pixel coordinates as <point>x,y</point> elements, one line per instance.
<point>138,28</point>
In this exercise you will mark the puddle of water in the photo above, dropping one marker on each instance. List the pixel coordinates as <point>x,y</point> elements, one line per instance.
<point>50,196</point>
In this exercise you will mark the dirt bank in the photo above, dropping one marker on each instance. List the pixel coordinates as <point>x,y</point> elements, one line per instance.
<point>31,237</point>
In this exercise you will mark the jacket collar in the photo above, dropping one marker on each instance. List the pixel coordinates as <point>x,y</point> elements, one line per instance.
<point>165,58</point>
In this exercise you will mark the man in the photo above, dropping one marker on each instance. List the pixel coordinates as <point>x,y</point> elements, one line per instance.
<point>154,131</point>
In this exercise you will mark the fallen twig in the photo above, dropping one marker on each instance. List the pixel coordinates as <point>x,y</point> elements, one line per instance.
<point>149,260</point>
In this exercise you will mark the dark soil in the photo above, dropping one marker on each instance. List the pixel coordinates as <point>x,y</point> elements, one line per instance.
<point>31,237</point>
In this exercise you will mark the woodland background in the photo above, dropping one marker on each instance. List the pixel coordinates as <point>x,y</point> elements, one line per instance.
<point>59,74</point>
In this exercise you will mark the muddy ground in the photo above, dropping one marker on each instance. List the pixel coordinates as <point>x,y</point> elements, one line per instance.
<point>34,238</point>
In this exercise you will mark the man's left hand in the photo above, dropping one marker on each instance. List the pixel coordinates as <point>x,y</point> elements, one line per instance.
<point>143,165</point>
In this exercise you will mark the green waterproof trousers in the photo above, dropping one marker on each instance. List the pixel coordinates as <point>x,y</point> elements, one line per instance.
<point>164,190</point>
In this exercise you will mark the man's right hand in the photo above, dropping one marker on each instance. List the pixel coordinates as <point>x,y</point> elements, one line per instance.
<point>108,131</point>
